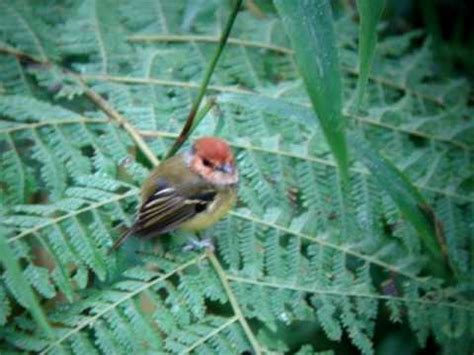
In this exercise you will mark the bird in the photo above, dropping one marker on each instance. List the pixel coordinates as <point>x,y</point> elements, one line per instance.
<point>190,191</point>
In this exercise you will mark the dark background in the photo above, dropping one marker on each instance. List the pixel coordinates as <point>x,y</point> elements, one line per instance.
<point>450,24</point>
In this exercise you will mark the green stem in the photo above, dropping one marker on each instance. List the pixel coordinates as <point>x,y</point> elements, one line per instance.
<point>201,114</point>
<point>210,335</point>
<point>233,302</point>
<point>189,125</point>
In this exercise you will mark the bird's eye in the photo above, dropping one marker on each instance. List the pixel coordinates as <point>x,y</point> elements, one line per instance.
<point>207,163</point>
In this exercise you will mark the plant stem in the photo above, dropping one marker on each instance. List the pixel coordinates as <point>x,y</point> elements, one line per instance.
<point>233,302</point>
<point>189,125</point>
<point>97,99</point>
<point>104,106</point>
<point>201,114</point>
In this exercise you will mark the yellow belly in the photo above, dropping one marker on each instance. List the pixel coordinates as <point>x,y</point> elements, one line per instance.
<point>216,210</point>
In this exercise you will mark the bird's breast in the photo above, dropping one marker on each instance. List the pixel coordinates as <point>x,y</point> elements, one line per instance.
<point>217,209</point>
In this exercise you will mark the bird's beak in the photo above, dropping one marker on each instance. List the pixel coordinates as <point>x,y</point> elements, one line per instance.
<point>227,168</point>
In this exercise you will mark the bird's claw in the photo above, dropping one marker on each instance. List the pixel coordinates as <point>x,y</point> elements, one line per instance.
<point>195,244</point>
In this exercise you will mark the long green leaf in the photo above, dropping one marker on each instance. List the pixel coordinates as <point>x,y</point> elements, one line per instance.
<point>369,12</point>
<point>408,199</point>
<point>16,276</point>
<point>309,25</point>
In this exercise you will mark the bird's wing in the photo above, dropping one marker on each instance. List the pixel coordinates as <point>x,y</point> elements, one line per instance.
<point>166,209</point>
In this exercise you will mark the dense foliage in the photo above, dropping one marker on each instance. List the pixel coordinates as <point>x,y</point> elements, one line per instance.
<point>91,92</point>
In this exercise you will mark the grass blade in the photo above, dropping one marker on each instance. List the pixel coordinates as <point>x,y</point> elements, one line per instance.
<point>309,24</point>
<point>369,12</point>
<point>190,125</point>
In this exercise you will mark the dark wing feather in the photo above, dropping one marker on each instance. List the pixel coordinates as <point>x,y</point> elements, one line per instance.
<point>166,210</point>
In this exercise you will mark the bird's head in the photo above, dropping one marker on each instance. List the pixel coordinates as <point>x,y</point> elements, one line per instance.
<point>213,160</point>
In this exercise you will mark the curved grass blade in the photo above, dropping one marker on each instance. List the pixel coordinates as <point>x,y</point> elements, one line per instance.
<point>309,24</point>
<point>408,199</point>
<point>369,12</point>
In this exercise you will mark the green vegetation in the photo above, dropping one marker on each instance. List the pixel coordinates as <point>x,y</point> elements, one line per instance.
<point>353,230</point>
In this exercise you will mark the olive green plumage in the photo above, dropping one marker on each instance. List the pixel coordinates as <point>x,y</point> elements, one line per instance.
<point>174,197</point>
<point>192,187</point>
<point>176,172</point>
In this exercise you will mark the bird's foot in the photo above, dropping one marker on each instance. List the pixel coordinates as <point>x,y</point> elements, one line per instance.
<point>196,244</point>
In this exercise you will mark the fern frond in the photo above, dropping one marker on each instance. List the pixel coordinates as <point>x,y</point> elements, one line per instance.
<point>298,249</point>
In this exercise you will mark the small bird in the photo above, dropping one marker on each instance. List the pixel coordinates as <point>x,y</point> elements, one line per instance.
<point>190,191</point>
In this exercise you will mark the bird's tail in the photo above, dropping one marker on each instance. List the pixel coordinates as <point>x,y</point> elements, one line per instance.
<point>121,240</point>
